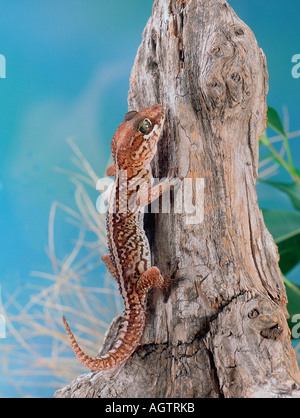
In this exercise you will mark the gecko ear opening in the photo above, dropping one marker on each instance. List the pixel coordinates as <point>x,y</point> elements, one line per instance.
<point>130,115</point>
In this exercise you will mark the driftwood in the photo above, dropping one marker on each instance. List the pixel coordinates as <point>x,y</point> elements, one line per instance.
<point>223,331</point>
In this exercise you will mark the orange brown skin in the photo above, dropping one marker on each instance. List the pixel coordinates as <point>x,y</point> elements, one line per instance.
<point>129,259</point>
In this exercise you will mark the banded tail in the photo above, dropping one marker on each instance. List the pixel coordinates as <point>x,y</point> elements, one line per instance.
<point>128,341</point>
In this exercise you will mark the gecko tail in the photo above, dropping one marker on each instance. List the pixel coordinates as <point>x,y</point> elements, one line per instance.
<point>102,363</point>
<point>121,351</point>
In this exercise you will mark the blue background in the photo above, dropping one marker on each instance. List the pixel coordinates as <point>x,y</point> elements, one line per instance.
<point>68,66</point>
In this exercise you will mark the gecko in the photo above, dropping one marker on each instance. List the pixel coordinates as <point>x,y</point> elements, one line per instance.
<point>134,145</point>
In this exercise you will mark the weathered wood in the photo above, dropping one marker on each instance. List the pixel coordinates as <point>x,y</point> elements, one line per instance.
<point>223,331</point>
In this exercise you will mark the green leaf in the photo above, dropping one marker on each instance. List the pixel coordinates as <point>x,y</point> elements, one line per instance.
<point>285,229</point>
<point>293,295</point>
<point>291,189</point>
<point>274,122</point>
<point>297,172</point>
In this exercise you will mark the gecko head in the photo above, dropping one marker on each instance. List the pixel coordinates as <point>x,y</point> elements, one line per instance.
<point>135,141</point>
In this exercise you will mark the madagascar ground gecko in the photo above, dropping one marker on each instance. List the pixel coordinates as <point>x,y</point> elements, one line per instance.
<point>129,260</point>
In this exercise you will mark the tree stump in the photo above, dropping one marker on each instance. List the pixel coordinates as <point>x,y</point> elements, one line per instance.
<point>223,331</point>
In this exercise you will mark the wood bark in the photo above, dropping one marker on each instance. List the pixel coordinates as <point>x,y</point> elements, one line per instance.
<point>223,331</point>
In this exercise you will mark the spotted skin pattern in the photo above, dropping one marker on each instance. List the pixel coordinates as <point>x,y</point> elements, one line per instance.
<point>129,260</point>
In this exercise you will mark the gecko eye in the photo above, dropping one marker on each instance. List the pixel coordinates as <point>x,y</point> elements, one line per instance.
<point>145,126</point>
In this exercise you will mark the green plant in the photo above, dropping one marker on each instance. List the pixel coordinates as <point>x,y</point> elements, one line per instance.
<point>284,225</point>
